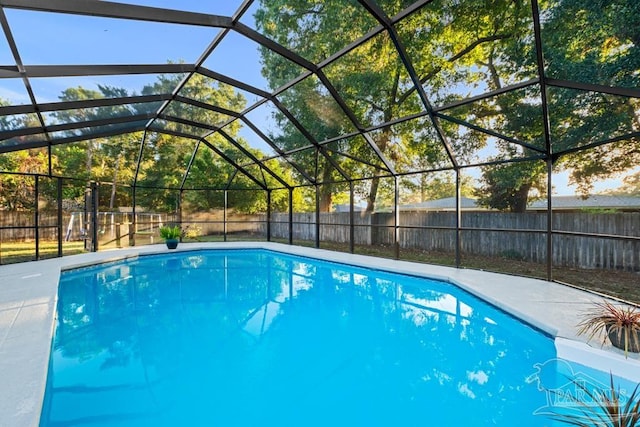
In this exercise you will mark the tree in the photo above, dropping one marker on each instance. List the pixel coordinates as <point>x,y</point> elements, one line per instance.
<point>17,192</point>
<point>431,186</point>
<point>166,157</point>
<point>109,160</point>
<point>373,80</point>
<point>630,186</point>
<point>591,42</point>
<point>507,186</point>
<point>113,160</point>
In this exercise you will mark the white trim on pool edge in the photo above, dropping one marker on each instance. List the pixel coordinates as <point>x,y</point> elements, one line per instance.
<point>28,293</point>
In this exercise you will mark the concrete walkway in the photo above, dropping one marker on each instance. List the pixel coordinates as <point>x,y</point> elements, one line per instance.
<point>28,299</point>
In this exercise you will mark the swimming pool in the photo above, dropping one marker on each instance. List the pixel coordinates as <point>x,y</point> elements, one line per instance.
<point>244,337</point>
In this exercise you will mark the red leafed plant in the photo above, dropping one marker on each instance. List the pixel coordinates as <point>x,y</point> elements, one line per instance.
<point>620,323</point>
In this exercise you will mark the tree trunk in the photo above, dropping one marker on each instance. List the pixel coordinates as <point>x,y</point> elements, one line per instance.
<point>325,199</point>
<point>423,188</point>
<point>382,143</point>
<point>519,201</point>
<point>113,184</point>
<point>373,192</point>
<point>89,161</point>
<point>326,196</point>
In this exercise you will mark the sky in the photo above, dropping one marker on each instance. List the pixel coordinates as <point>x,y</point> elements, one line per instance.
<point>51,39</point>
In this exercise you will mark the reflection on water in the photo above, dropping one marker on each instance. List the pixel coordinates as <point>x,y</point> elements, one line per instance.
<point>252,337</point>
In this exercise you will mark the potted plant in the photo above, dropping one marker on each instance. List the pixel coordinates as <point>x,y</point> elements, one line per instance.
<point>621,324</point>
<point>171,235</point>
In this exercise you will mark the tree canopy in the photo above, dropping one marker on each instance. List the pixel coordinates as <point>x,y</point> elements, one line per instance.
<point>458,50</point>
<point>419,95</point>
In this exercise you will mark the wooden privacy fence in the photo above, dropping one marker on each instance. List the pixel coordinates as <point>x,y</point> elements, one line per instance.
<point>18,226</point>
<point>212,223</point>
<point>509,235</point>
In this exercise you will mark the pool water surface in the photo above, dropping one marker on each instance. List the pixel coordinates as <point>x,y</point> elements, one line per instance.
<point>254,337</point>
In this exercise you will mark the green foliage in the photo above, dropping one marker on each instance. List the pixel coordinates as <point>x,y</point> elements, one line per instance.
<point>17,191</point>
<point>113,160</point>
<point>457,50</point>
<point>434,186</point>
<point>375,84</point>
<point>368,79</point>
<point>454,45</point>
<point>508,186</point>
<point>594,42</point>
<point>630,186</point>
<point>192,231</point>
<point>168,232</point>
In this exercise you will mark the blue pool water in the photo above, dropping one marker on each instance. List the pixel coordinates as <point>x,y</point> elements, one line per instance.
<point>252,337</point>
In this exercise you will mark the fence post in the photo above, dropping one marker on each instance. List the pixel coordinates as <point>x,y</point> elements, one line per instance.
<point>224,216</point>
<point>291,216</point>
<point>268,215</point>
<point>94,216</point>
<point>549,220</point>
<point>179,211</point>
<point>458,218</point>
<point>118,235</point>
<point>133,224</point>
<point>59,219</point>
<point>36,214</point>
<point>396,219</point>
<point>351,219</point>
<point>317,216</point>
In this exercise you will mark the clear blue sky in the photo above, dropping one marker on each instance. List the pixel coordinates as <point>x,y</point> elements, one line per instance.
<point>45,39</point>
<point>55,39</point>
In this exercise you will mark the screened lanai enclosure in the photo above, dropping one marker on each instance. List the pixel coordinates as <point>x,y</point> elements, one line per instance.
<point>474,133</point>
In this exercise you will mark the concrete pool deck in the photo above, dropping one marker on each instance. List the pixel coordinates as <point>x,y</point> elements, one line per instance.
<point>28,293</point>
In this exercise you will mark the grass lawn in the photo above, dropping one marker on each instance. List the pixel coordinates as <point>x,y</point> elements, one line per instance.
<point>26,251</point>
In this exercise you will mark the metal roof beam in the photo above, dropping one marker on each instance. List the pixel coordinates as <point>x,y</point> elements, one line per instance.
<point>351,46</point>
<point>250,155</point>
<point>25,80</point>
<point>268,140</point>
<point>188,169</point>
<point>183,82</point>
<point>107,9</point>
<point>322,150</point>
<point>234,164</point>
<point>490,132</point>
<point>177,133</point>
<point>620,91</point>
<point>376,11</point>
<point>206,106</point>
<point>354,120</point>
<point>74,125</point>
<point>187,122</point>
<point>628,136</point>
<point>99,70</point>
<point>85,103</point>
<point>410,10</point>
<point>233,82</point>
<point>60,141</point>
<point>487,95</point>
<point>252,34</point>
